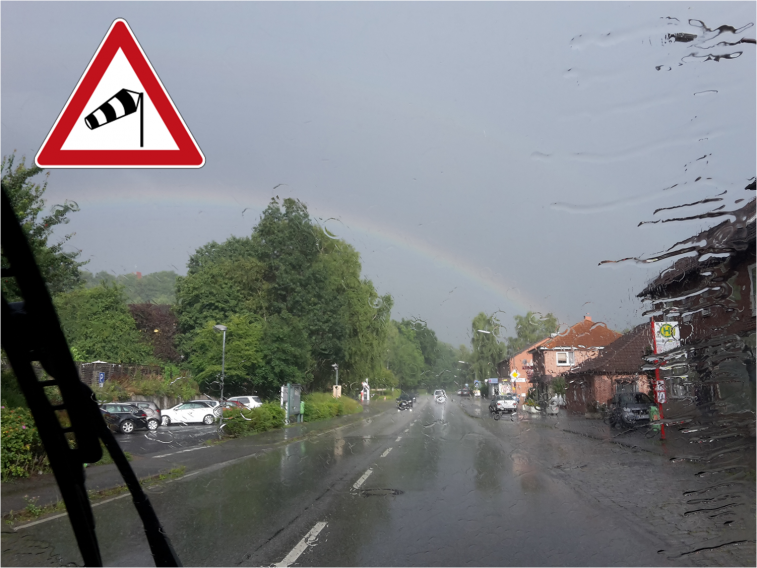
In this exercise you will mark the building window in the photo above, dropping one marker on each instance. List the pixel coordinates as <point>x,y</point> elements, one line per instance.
<point>565,358</point>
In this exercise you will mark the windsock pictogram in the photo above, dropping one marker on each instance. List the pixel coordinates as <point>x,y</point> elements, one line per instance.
<point>122,104</point>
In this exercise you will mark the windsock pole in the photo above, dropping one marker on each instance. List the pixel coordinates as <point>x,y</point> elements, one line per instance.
<point>141,121</point>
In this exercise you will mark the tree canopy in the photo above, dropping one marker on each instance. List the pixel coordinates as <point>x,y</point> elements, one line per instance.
<point>59,268</point>
<point>99,327</point>
<point>305,290</point>
<point>153,288</point>
<point>487,348</point>
<point>531,328</point>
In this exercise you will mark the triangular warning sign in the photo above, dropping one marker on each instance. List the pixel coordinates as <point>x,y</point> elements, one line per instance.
<point>120,83</point>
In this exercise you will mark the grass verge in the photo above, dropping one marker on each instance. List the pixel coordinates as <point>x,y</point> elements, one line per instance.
<point>32,511</point>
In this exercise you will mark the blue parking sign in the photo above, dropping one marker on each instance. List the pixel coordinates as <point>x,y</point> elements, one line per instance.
<point>101,379</point>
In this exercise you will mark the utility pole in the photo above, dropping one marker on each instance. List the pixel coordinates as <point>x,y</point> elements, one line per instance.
<point>222,328</point>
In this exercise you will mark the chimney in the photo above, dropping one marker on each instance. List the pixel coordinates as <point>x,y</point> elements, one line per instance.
<point>587,317</point>
<point>139,275</point>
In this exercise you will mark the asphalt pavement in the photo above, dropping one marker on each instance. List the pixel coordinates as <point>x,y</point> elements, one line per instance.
<point>444,485</point>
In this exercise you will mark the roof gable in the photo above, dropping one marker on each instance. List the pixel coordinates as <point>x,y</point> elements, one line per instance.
<point>623,356</point>
<point>584,335</point>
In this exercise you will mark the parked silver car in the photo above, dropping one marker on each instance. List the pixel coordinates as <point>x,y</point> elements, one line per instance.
<point>151,410</point>
<point>249,401</point>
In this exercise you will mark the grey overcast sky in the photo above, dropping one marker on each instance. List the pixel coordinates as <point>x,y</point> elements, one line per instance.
<point>479,156</point>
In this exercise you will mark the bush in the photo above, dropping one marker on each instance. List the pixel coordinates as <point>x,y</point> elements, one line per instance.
<point>124,388</point>
<point>240,423</point>
<point>322,405</point>
<point>11,392</point>
<point>22,451</point>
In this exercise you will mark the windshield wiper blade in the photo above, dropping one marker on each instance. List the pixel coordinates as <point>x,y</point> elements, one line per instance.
<point>31,332</point>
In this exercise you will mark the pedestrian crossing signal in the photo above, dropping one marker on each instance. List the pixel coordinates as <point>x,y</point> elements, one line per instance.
<point>122,104</point>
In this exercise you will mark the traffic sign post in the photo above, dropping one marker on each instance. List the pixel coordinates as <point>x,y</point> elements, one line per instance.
<point>101,379</point>
<point>665,336</point>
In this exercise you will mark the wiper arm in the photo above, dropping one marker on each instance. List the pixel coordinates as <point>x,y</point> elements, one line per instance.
<point>31,332</point>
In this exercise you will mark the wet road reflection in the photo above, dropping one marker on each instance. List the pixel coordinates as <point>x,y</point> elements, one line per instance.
<point>438,486</point>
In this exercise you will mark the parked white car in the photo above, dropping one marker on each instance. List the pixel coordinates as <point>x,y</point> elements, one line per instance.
<point>188,412</point>
<point>248,401</point>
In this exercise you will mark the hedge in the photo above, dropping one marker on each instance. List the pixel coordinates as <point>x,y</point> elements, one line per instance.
<point>22,450</point>
<point>322,405</point>
<point>238,423</point>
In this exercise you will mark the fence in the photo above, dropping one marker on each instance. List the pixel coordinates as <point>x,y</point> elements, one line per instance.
<point>90,372</point>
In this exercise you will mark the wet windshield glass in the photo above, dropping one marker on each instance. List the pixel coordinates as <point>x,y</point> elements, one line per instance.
<point>292,226</point>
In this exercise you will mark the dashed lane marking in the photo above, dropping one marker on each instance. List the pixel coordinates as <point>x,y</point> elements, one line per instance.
<point>386,453</point>
<point>398,438</point>
<point>362,479</point>
<point>308,540</point>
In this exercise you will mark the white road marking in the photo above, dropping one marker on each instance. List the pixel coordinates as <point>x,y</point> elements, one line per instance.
<point>398,438</point>
<point>308,540</point>
<point>360,481</point>
<point>386,453</point>
<point>182,451</point>
<point>58,516</point>
<point>406,429</point>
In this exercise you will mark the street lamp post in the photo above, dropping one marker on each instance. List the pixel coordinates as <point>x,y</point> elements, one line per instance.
<point>222,328</point>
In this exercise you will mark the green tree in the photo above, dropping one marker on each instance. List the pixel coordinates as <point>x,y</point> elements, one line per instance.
<point>243,354</point>
<point>59,268</point>
<point>559,386</point>
<point>445,367</point>
<point>304,285</point>
<point>404,357</point>
<point>486,347</point>
<point>153,288</point>
<point>99,327</point>
<point>530,329</point>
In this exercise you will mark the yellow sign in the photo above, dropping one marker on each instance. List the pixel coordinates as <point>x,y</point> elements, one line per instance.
<point>667,330</point>
<point>515,375</point>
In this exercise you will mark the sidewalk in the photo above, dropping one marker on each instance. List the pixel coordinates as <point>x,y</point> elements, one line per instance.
<point>677,445</point>
<point>103,477</point>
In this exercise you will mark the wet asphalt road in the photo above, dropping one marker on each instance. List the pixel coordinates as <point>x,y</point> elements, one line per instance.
<point>444,488</point>
<point>167,438</point>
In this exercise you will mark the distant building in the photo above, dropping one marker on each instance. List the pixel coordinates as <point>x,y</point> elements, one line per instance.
<point>617,369</point>
<point>523,363</point>
<point>563,351</point>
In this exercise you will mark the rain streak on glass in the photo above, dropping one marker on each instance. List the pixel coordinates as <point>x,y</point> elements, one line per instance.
<point>441,294</point>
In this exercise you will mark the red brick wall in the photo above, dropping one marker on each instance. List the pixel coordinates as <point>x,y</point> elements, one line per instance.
<point>588,388</point>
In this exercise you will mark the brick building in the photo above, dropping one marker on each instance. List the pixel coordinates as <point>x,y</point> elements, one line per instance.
<point>711,295</point>
<point>616,369</point>
<point>563,351</point>
<point>523,362</point>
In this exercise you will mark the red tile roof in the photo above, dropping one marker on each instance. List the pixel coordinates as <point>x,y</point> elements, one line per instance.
<point>621,357</point>
<point>584,335</point>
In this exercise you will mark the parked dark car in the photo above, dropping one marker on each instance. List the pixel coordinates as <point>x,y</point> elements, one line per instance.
<point>629,409</point>
<point>152,411</point>
<point>465,392</point>
<point>125,418</point>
